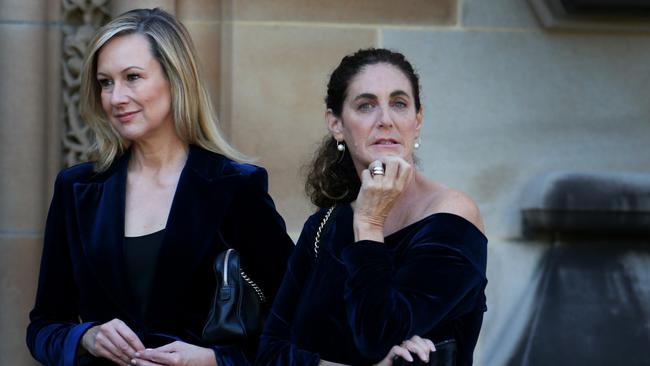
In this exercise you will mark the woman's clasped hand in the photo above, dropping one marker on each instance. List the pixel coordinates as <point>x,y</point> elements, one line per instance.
<point>420,347</point>
<point>113,340</point>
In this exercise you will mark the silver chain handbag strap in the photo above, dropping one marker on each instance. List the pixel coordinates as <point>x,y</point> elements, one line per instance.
<point>320,229</point>
<point>255,287</point>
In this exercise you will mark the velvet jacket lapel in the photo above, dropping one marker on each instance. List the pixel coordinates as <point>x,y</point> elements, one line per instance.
<point>204,192</point>
<point>100,218</point>
<point>202,195</point>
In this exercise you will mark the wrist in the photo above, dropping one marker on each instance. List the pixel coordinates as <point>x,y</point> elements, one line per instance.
<point>86,340</point>
<point>365,229</point>
<point>210,357</point>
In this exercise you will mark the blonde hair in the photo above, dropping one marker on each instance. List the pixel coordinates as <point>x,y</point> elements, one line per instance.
<point>171,45</point>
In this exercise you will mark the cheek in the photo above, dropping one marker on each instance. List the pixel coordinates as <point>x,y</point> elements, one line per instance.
<point>356,136</point>
<point>360,129</point>
<point>159,99</point>
<point>408,122</point>
<point>105,99</point>
<point>161,106</point>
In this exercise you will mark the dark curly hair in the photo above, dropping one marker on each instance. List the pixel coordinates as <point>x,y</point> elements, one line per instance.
<point>331,176</point>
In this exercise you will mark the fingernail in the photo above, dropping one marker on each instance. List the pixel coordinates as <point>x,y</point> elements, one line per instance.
<point>134,362</point>
<point>137,354</point>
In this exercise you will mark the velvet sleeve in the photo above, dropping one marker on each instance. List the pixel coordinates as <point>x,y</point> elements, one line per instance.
<point>54,331</point>
<point>255,229</point>
<point>276,347</point>
<point>258,232</point>
<point>386,303</point>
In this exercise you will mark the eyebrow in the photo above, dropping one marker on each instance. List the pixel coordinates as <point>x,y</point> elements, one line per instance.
<point>365,96</point>
<point>123,70</point>
<point>399,93</point>
<point>396,93</point>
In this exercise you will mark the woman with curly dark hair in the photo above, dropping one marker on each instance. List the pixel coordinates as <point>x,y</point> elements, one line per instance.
<point>393,260</point>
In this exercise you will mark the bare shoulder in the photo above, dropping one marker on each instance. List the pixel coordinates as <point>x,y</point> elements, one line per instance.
<point>459,203</point>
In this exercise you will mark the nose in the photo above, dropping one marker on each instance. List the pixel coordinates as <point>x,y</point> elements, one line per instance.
<point>385,118</point>
<point>119,95</point>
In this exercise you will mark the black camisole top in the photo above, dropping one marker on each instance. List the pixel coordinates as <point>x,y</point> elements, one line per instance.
<point>141,253</point>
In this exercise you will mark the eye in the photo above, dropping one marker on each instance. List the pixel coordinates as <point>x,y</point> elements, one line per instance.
<point>364,107</point>
<point>105,83</point>
<point>132,77</point>
<point>400,104</point>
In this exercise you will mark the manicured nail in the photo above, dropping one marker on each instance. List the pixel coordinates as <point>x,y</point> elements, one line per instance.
<point>137,354</point>
<point>134,362</point>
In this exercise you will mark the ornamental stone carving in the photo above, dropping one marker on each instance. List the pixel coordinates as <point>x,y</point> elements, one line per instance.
<point>80,20</point>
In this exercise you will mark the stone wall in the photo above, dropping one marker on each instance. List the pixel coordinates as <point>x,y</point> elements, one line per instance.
<point>30,47</point>
<point>281,55</point>
<point>504,99</point>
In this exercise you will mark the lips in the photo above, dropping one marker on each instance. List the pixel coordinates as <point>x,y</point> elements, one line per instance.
<point>126,116</point>
<point>385,142</point>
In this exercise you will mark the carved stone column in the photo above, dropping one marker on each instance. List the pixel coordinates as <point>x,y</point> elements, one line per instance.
<point>81,18</point>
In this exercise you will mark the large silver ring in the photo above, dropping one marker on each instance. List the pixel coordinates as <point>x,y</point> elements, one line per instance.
<point>376,168</point>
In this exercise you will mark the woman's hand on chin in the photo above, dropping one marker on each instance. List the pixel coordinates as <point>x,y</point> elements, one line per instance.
<point>176,354</point>
<point>378,195</point>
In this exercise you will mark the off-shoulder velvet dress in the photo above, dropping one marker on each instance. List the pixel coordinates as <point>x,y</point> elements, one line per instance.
<point>84,277</point>
<point>356,300</point>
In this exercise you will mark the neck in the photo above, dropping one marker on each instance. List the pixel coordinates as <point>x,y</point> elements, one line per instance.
<point>157,156</point>
<point>410,192</point>
<point>408,206</point>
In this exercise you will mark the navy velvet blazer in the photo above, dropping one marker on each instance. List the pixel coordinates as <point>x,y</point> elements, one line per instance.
<point>358,299</point>
<point>218,204</point>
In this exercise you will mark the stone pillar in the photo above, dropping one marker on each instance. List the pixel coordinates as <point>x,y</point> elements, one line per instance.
<point>120,6</point>
<point>30,39</point>
<point>203,19</point>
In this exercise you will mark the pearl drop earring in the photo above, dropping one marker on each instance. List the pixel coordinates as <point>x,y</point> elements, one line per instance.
<point>340,146</point>
<point>417,143</point>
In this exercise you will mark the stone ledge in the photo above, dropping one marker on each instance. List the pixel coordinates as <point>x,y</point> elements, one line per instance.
<point>413,12</point>
<point>571,202</point>
<point>553,14</point>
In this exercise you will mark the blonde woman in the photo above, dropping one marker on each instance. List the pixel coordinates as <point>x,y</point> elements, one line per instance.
<point>126,273</point>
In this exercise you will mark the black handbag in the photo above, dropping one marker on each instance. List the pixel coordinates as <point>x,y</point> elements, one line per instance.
<point>445,355</point>
<point>237,311</point>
